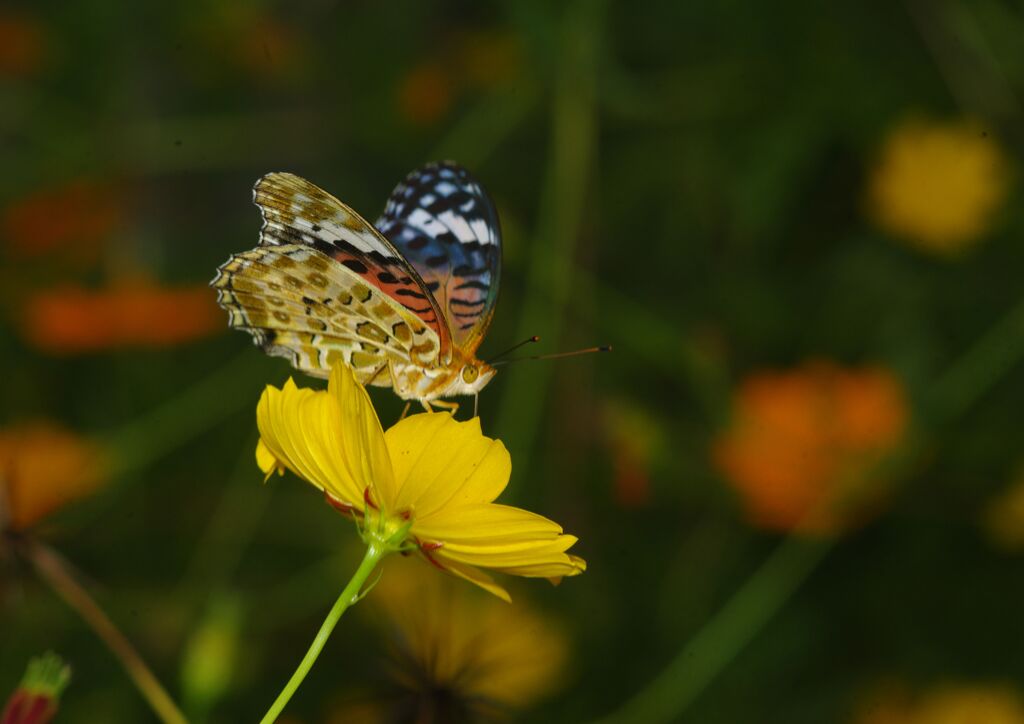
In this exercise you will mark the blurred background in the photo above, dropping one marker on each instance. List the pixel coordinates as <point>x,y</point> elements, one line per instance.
<point>798,479</point>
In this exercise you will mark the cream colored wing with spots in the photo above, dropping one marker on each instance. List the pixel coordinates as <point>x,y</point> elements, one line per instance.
<point>300,304</point>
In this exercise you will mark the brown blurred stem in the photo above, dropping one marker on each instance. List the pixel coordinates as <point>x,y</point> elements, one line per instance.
<point>52,569</point>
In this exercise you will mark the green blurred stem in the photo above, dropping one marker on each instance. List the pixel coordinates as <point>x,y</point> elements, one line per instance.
<point>725,634</point>
<point>981,367</point>
<point>550,271</point>
<point>374,553</point>
<point>52,569</point>
<point>186,415</point>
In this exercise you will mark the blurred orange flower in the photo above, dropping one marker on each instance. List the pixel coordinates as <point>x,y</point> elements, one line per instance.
<point>938,185</point>
<point>803,444</point>
<point>268,48</point>
<point>22,45</point>
<point>68,320</point>
<point>72,219</point>
<point>951,704</point>
<point>634,439</point>
<point>425,95</point>
<point>43,467</point>
<point>457,654</point>
<point>474,60</point>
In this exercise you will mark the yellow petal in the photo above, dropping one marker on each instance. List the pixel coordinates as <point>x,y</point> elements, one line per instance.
<point>267,462</point>
<point>490,523</point>
<point>358,434</point>
<point>440,462</point>
<point>500,537</point>
<point>306,431</point>
<point>471,574</point>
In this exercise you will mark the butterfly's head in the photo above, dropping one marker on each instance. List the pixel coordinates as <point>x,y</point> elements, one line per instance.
<point>472,377</point>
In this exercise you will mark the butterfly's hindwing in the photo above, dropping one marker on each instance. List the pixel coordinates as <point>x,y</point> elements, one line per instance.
<point>297,212</point>
<point>444,223</point>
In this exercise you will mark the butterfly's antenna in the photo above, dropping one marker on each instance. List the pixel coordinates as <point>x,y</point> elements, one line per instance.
<point>514,347</point>
<point>557,355</point>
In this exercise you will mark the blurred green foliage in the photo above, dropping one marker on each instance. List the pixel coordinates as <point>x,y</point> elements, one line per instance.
<point>685,181</point>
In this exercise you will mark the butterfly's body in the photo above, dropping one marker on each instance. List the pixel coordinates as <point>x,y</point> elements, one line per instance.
<point>407,313</point>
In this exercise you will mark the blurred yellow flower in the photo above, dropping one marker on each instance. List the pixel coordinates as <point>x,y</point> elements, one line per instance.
<point>1003,518</point>
<point>803,444</point>
<point>42,468</point>
<point>427,484</point>
<point>951,704</point>
<point>938,185</point>
<point>456,655</point>
<point>964,704</point>
<point>69,320</point>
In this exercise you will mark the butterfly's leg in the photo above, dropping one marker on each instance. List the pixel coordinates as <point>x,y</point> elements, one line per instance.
<point>426,406</point>
<point>376,374</point>
<point>452,407</point>
<point>405,410</point>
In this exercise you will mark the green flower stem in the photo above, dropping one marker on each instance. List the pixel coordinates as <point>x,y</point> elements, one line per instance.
<point>374,553</point>
<point>52,569</point>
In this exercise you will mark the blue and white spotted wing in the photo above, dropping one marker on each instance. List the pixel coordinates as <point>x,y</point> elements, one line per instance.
<point>446,226</point>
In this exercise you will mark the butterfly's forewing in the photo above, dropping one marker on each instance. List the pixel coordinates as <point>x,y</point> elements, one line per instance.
<point>444,223</point>
<point>297,212</point>
<point>298,303</point>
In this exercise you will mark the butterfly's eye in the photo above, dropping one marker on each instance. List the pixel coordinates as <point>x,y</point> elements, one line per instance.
<point>469,374</point>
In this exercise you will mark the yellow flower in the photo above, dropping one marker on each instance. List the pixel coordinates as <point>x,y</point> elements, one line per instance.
<point>959,703</point>
<point>991,704</point>
<point>427,484</point>
<point>1003,518</point>
<point>937,185</point>
<point>456,654</point>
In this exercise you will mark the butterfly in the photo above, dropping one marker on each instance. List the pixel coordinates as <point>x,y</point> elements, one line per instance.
<point>404,302</point>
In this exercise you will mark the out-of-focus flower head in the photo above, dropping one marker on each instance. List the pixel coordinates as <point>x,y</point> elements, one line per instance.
<point>22,45</point>
<point>937,185</point>
<point>803,445</point>
<point>950,704</point>
<point>72,220</point>
<point>252,40</point>
<point>35,700</point>
<point>1003,518</point>
<point>487,59</point>
<point>427,485</point>
<point>634,439</point>
<point>425,94</point>
<point>43,467</point>
<point>473,60</point>
<point>456,655</point>
<point>70,320</point>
